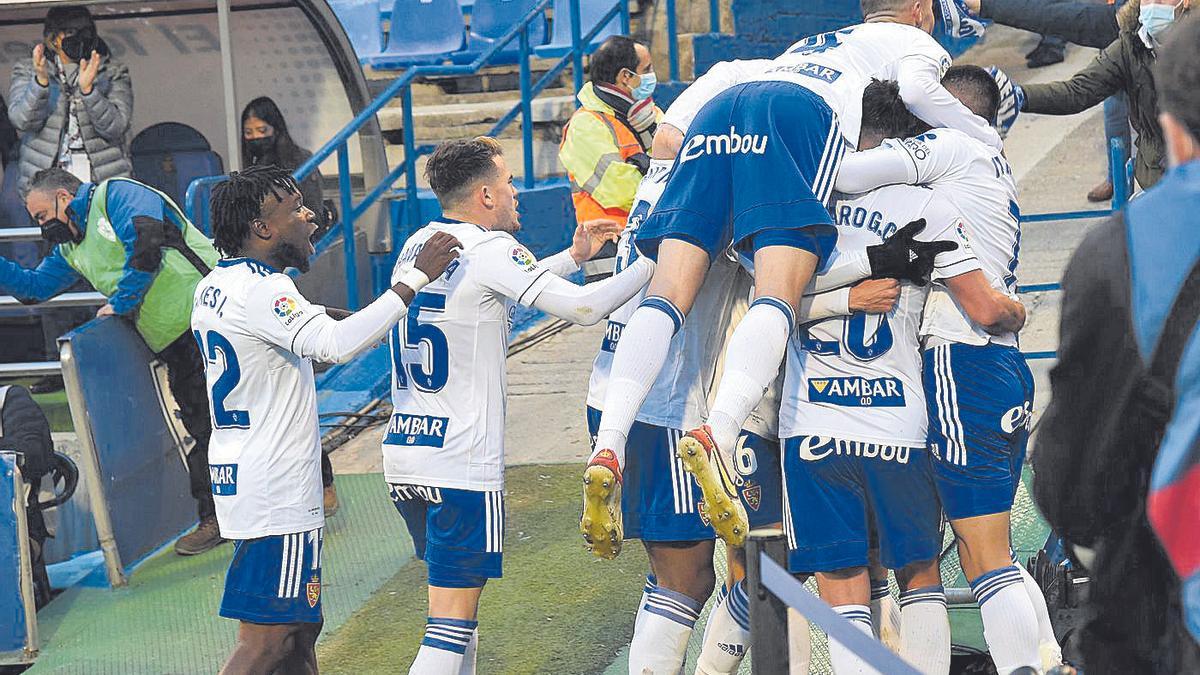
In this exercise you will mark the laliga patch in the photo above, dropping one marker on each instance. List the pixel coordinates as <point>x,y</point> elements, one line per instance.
<point>522,258</point>
<point>286,309</point>
<point>223,478</point>
<point>857,392</point>
<point>313,591</point>
<point>752,493</point>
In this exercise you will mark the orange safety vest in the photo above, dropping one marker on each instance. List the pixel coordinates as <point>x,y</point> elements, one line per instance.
<point>587,208</point>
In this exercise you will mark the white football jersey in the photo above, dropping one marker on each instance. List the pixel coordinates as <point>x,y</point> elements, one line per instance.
<point>839,65</point>
<point>720,76</point>
<point>859,377</point>
<point>449,379</point>
<point>264,456</point>
<point>979,181</point>
<point>679,397</point>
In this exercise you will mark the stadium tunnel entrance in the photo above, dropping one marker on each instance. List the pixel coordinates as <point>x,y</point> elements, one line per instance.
<point>194,64</point>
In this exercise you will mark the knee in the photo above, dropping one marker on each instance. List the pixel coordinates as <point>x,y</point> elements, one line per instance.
<point>695,581</point>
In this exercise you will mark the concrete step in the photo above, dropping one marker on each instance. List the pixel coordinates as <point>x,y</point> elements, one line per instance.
<point>545,159</point>
<point>451,118</point>
<point>491,82</point>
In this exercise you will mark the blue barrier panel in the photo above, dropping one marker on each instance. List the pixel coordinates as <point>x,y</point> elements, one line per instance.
<point>142,483</point>
<point>12,610</point>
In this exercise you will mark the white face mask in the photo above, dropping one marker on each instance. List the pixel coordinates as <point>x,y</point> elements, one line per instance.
<point>1156,19</point>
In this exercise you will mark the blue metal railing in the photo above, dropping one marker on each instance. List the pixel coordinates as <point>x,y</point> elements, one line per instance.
<point>402,87</point>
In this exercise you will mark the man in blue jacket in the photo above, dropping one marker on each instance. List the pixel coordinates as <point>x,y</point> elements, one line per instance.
<point>134,245</point>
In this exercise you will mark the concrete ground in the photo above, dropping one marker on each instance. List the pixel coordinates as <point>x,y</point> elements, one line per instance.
<point>1056,161</point>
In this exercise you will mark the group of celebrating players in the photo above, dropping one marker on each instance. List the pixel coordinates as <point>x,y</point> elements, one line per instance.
<point>844,211</point>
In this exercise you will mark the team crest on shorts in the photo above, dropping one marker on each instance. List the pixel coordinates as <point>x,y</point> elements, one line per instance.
<point>313,590</point>
<point>703,514</point>
<point>752,493</point>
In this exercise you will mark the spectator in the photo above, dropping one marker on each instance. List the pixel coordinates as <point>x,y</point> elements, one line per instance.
<point>1123,66</point>
<point>265,140</point>
<point>1088,24</point>
<point>137,248</point>
<point>1174,503</point>
<point>606,142</point>
<point>71,103</point>
<point>1122,339</point>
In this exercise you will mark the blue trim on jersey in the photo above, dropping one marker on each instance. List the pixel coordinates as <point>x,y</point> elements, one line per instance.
<point>275,580</point>
<point>254,264</point>
<point>778,304</point>
<point>666,307</point>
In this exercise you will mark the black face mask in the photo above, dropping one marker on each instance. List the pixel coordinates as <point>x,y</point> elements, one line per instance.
<point>260,147</point>
<point>57,231</point>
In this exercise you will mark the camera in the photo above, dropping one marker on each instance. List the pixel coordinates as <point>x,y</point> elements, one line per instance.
<point>80,45</point>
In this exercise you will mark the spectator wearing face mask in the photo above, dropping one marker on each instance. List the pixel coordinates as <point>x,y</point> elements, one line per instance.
<point>606,143</point>
<point>71,103</point>
<point>266,141</point>
<point>1124,66</point>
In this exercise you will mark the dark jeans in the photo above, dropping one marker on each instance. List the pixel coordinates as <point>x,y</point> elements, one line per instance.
<point>185,376</point>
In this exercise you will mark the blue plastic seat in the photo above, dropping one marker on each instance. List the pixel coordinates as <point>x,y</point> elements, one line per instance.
<point>361,21</point>
<point>422,31</point>
<point>492,20</point>
<point>169,155</point>
<point>590,11</point>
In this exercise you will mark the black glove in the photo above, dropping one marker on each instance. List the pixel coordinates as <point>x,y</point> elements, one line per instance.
<point>903,257</point>
<point>641,161</point>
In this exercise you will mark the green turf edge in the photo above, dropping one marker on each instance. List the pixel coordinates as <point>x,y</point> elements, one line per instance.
<point>557,609</point>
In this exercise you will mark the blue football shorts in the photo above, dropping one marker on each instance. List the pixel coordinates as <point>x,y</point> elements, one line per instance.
<point>980,401</point>
<point>458,533</point>
<point>837,492</point>
<point>275,579</point>
<point>757,168</point>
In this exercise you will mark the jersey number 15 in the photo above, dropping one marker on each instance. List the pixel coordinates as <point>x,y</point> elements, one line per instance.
<point>431,377</point>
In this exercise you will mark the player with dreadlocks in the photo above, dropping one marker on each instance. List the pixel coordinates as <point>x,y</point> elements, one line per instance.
<point>260,336</point>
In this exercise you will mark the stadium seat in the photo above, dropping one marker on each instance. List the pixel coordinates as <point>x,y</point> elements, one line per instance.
<point>422,32</point>
<point>590,11</point>
<point>363,25</point>
<point>169,155</point>
<point>490,21</point>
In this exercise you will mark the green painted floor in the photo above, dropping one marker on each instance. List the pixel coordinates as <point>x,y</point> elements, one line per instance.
<point>166,620</point>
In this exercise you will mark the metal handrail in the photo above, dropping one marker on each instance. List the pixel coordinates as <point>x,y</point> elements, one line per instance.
<point>81,299</point>
<point>11,234</point>
<point>30,369</point>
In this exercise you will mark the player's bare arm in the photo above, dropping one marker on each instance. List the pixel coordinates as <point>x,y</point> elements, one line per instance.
<point>994,311</point>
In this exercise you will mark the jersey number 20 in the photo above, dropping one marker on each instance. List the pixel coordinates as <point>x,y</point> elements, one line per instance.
<point>216,345</point>
<point>433,378</point>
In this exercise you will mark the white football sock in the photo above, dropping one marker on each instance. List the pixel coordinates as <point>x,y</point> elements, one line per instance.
<point>647,588</point>
<point>844,661</point>
<point>660,642</point>
<point>799,642</point>
<point>885,615</point>
<point>443,647</point>
<point>1048,645</point>
<point>1009,623</point>
<point>925,630</point>
<point>727,633</point>
<point>468,664</point>
<point>641,352</point>
<point>752,359</point>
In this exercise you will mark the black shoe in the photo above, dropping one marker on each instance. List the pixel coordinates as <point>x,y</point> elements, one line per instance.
<point>1044,55</point>
<point>207,535</point>
<point>47,384</point>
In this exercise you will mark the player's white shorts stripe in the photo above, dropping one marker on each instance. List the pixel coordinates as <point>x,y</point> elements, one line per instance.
<point>316,544</point>
<point>823,168</point>
<point>298,556</point>
<point>833,171</point>
<point>959,436</point>
<point>942,390</point>
<point>788,527</point>
<point>494,521</point>
<point>499,521</point>
<point>284,566</point>
<point>681,483</point>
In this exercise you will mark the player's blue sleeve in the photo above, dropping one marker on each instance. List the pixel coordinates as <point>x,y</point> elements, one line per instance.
<point>51,277</point>
<point>138,217</point>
